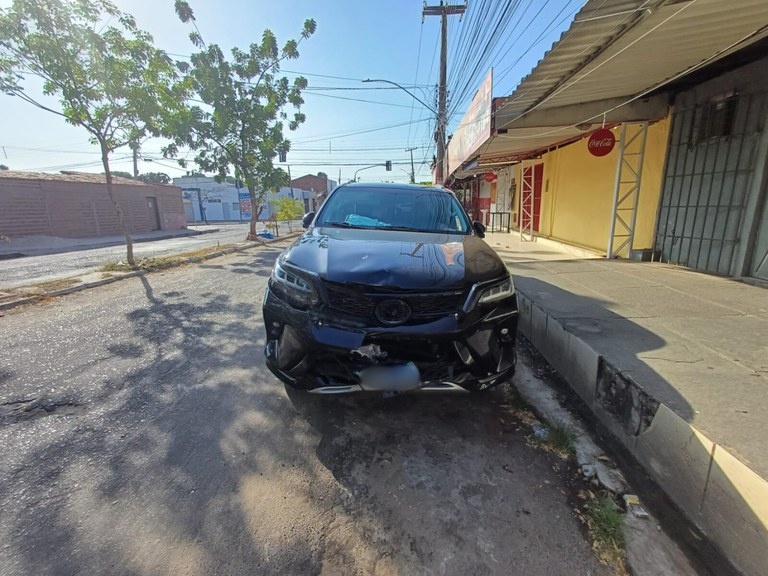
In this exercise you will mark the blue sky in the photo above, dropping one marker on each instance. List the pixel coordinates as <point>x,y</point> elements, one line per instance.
<point>355,40</point>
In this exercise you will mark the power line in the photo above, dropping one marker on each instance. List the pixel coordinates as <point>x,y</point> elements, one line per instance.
<point>313,88</point>
<point>363,131</point>
<point>378,102</point>
<point>415,79</point>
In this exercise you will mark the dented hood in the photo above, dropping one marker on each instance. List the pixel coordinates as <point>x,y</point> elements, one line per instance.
<point>386,258</point>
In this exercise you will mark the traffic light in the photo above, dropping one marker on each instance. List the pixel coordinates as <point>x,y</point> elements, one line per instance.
<point>388,165</point>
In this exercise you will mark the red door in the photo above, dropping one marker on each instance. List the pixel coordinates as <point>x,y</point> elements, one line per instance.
<point>530,196</point>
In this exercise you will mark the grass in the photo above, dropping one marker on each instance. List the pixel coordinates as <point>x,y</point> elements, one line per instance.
<point>557,438</point>
<point>115,267</point>
<point>161,263</point>
<point>53,285</point>
<point>605,521</point>
<point>606,528</point>
<point>561,438</point>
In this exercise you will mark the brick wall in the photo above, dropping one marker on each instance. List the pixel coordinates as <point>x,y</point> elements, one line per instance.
<point>74,209</point>
<point>311,182</point>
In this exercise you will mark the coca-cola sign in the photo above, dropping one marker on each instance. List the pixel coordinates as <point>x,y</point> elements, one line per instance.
<point>601,142</point>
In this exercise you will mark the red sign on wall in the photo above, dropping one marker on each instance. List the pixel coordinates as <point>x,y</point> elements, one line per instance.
<point>601,142</point>
<point>490,177</point>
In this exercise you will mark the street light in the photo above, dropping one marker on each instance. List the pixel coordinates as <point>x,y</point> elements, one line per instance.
<point>411,94</point>
<point>440,133</point>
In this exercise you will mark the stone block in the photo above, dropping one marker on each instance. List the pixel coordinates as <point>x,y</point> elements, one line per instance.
<point>677,456</point>
<point>735,513</point>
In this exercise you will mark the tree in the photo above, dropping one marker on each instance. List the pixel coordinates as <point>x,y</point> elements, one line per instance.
<point>107,75</point>
<point>238,130</point>
<point>154,178</point>
<point>122,174</point>
<point>322,175</point>
<point>4,167</point>
<point>287,209</point>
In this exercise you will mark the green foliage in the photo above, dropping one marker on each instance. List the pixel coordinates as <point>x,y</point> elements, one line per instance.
<point>154,178</point>
<point>236,126</point>
<point>561,438</point>
<point>4,167</point>
<point>122,174</point>
<point>105,72</point>
<point>322,175</point>
<point>287,208</point>
<point>109,79</point>
<point>605,521</point>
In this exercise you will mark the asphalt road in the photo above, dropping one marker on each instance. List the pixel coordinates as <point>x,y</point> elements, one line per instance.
<point>31,269</point>
<point>141,434</point>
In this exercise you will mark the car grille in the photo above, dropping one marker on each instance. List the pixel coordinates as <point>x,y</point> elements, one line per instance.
<point>362,304</point>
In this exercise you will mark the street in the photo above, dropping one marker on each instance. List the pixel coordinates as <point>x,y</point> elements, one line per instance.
<point>21,271</point>
<point>142,434</point>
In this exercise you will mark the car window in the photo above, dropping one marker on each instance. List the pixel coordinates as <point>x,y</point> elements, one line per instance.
<point>422,210</point>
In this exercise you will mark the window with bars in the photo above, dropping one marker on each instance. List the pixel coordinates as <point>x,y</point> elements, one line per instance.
<point>716,119</point>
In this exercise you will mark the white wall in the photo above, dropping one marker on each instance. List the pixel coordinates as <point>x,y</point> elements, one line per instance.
<point>220,200</point>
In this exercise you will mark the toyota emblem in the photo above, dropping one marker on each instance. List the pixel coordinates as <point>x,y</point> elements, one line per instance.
<point>393,312</point>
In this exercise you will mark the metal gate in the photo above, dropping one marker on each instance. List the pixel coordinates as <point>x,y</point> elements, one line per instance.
<point>710,164</point>
<point>759,256</point>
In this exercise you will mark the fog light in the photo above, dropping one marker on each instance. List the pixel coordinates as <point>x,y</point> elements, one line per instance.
<point>275,329</point>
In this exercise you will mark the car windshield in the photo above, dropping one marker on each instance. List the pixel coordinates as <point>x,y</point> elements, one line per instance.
<point>424,210</point>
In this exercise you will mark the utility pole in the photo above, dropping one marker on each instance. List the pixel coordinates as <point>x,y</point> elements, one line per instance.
<point>413,172</point>
<point>443,10</point>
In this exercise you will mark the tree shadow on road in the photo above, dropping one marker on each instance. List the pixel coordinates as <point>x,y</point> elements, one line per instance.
<point>179,461</point>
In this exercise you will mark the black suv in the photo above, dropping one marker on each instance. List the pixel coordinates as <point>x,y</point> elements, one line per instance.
<point>390,289</point>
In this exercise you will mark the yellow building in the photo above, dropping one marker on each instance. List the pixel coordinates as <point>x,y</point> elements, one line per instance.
<point>576,191</point>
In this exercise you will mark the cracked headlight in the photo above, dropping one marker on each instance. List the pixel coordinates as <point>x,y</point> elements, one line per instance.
<point>293,287</point>
<point>498,291</point>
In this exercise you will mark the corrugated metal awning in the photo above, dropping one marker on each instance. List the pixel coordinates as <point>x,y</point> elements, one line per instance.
<point>615,52</point>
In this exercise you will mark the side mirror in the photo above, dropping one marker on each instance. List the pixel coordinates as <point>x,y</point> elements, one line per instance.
<point>307,220</point>
<point>479,228</point>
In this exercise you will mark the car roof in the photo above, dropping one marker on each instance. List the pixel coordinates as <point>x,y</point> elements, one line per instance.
<point>390,186</point>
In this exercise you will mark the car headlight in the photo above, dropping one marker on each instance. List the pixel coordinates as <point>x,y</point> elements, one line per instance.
<point>491,293</point>
<point>297,290</point>
<point>498,291</point>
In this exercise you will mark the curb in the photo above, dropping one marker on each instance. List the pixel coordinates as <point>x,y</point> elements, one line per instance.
<point>649,551</point>
<point>718,494</point>
<point>124,275</point>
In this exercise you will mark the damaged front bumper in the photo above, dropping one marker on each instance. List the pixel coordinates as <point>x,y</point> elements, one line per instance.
<point>326,352</point>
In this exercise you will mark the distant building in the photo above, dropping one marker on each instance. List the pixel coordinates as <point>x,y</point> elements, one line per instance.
<point>316,184</point>
<point>211,201</point>
<point>76,205</point>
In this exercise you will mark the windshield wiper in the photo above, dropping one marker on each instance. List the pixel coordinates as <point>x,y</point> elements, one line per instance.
<point>343,225</point>
<point>422,230</point>
<point>405,229</point>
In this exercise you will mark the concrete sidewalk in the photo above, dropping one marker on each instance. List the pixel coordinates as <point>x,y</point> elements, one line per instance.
<point>22,246</point>
<point>675,364</point>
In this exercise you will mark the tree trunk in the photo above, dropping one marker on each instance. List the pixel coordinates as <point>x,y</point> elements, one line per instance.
<point>119,209</point>
<point>254,215</point>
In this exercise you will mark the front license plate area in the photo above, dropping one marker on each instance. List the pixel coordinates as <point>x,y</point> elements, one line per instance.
<point>390,378</point>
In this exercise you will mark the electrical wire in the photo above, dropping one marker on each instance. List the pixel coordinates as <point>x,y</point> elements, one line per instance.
<point>415,79</point>
<point>561,89</point>
<point>377,102</point>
